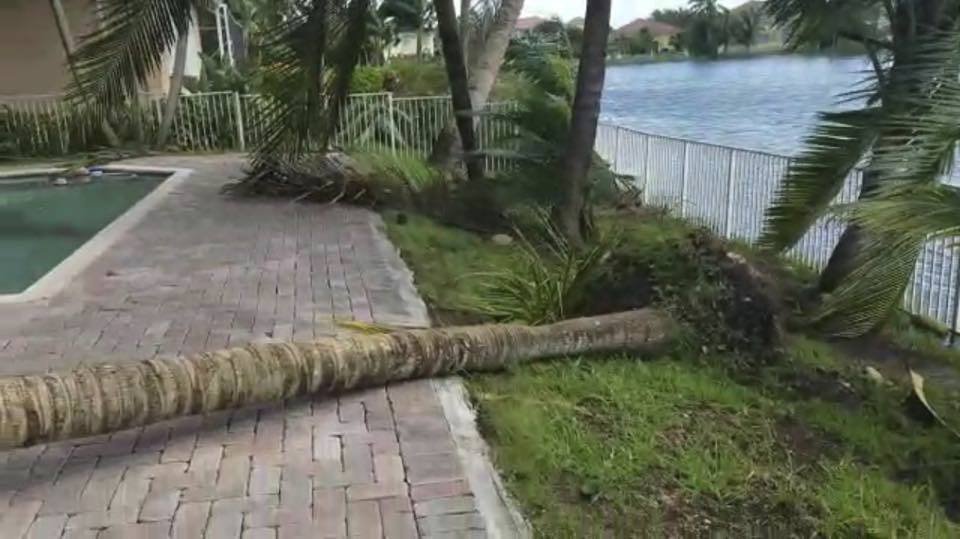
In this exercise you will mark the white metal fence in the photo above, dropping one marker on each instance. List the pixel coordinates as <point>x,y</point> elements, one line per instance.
<point>222,121</point>
<point>729,189</point>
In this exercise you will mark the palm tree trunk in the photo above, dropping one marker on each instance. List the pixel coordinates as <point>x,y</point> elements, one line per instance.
<point>105,398</point>
<point>583,124</point>
<point>69,47</point>
<point>459,85</point>
<point>912,24</point>
<point>483,71</point>
<point>465,28</point>
<point>421,27</point>
<point>173,93</point>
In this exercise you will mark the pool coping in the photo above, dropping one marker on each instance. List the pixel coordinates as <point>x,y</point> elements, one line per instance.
<point>61,275</point>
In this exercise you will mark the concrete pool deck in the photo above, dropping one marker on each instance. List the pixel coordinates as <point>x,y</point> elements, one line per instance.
<point>203,271</point>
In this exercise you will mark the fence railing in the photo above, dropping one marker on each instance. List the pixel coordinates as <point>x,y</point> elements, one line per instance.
<point>228,121</point>
<point>729,189</point>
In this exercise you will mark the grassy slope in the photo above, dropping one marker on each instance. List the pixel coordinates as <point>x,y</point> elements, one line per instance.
<point>678,443</point>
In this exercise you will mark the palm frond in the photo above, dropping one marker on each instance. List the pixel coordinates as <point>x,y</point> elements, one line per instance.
<point>918,132</point>
<point>548,283</point>
<point>873,289</point>
<point>909,210</point>
<point>310,59</point>
<point>813,21</point>
<point>128,47</point>
<point>836,147</point>
<point>415,173</point>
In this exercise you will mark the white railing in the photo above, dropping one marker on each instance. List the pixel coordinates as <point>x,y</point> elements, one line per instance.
<point>227,121</point>
<point>729,189</point>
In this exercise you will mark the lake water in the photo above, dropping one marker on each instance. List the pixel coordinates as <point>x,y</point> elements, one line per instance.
<point>768,103</point>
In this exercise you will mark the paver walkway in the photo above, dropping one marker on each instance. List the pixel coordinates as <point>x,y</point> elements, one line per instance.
<point>203,271</point>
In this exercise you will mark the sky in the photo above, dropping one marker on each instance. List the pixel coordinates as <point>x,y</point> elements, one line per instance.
<point>624,11</point>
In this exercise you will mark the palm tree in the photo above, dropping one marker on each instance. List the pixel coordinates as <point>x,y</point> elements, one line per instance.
<point>583,124</point>
<point>104,398</point>
<point>493,23</point>
<point>913,65</point>
<point>173,93</point>
<point>707,16</point>
<point>418,15</point>
<point>459,85</point>
<point>746,27</point>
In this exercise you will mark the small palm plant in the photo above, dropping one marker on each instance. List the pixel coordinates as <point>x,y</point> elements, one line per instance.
<point>548,284</point>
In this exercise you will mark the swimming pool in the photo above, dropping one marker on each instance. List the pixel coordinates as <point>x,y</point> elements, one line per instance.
<point>41,224</point>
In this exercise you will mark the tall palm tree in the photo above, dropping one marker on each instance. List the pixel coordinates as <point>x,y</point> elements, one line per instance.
<point>746,28</point>
<point>492,23</point>
<point>459,85</point>
<point>418,15</point>
<point>913,64</point>
<point>104,398</point>
<point>583,124</point>
<point>173,93</point>
<point>709,21</point>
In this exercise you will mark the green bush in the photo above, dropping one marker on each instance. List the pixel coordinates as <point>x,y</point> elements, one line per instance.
<point>367,79</point>
<point>419,77</point>
<point>549,282</point>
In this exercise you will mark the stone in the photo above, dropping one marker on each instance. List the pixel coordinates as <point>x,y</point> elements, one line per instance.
<point>501,239</point>
<point>76,172</point>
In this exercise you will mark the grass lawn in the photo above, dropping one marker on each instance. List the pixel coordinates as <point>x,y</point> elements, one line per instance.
<point>684,443</point>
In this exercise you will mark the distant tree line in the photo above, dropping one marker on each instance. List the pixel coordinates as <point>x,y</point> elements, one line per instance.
<point>707,28</point>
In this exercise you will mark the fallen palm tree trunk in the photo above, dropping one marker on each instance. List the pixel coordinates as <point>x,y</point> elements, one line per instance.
<point>105,398</point>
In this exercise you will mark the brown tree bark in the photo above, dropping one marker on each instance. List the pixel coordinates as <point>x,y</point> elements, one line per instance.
<point>173,93</point>
<point>583,125</point>
<point>483,70</point>
<point>459,87</point>
<point>911,22</point>
<point>105,398</point>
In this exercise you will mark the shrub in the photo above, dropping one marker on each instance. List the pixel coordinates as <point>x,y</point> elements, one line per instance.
<point>367,79</point>
<point>548,283</point>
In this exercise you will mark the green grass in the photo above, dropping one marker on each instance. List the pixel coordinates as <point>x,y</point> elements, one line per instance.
<point>674,446</point>
<point>446,261</point>
<point>682,445</point>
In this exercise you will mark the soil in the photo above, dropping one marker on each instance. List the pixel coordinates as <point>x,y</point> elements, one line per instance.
<point>892,361</point>
<point>806,445</point>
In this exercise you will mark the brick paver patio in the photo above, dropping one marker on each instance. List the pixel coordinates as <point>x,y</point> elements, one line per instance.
<point>203,271</point>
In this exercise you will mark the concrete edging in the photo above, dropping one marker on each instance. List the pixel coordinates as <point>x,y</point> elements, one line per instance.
<point>502,518</point>
<point>60,275</point>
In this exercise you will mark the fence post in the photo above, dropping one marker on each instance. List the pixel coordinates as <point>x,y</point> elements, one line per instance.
<point>955,315</point>
<point>616,149</point>
<point>646,170</point>
<point>392,125</point>
<point>683,182</point>
<point>728,219</point>
<point>238,110</point>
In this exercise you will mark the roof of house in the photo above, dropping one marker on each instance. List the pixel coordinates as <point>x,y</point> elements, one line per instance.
<point>655,28</point>
<point>529,23</point>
